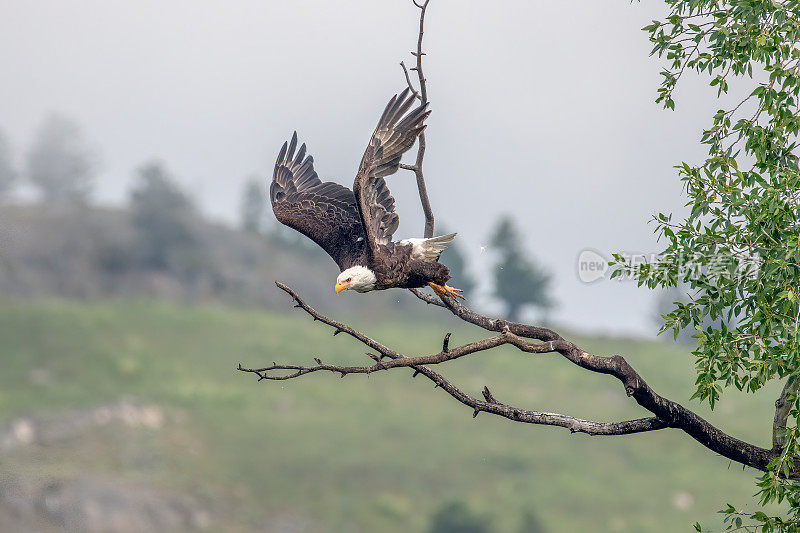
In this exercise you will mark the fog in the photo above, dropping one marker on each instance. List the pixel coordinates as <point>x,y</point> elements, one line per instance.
<point>541,109</point>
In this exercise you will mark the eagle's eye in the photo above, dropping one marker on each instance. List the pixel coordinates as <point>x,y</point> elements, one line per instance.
<point>349,279</point>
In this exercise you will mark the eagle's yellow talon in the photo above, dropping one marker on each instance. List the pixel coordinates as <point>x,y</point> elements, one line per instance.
<point>450,292</point>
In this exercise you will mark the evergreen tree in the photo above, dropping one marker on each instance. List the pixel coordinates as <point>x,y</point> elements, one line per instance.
<point>518,281</point>
<point>163,216</point>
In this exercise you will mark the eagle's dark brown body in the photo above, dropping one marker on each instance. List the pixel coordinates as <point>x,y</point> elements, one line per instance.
<point>355,226</point>
<point>397,269</point>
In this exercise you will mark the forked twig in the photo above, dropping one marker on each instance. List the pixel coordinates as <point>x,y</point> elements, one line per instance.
<point>422,95</point>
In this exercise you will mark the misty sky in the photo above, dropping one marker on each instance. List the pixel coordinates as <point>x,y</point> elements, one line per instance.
<point>541,109</point>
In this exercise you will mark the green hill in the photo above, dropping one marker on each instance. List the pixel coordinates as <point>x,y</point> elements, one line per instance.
<point>131,400</point>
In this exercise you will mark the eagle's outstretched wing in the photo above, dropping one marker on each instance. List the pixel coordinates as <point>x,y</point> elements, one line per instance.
<point>391,138</point>
<point>325,212</point>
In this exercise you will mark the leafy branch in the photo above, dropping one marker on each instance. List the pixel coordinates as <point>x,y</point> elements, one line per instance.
<point>744,205</point>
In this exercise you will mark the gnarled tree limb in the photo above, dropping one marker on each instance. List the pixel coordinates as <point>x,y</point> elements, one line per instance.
<point>488,405</point>
<point>667,414</point>
<point>674,414</point>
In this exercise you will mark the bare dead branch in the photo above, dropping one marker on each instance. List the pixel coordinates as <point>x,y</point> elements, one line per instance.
<point>491,405</point>
<point>408,81</point>
<point>340,327</point>
<point>398,360</point>
<point>423,89</point>
<point>490,324</point>
<point>422,95</point>
<point>530,339</point>
<point>674,414</point>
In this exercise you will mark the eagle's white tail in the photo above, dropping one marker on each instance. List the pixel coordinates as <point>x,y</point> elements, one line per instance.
<point>429,249</point>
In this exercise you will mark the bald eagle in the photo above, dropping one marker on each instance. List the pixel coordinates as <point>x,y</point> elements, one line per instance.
<point>355,227</point>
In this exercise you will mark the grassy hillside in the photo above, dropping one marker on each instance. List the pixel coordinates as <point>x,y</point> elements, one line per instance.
<point>356,454</point>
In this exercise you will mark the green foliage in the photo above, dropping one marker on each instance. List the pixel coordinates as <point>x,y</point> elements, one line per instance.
<point>59,164</point>
<point>8,174</point>
<point>666,302</point>
<point>739,247</point>
<point>518,281</point>
<point>457,517</point>
<point>163,217</point>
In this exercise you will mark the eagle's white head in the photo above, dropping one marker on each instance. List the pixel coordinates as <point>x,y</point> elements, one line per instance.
<point>358,278</point>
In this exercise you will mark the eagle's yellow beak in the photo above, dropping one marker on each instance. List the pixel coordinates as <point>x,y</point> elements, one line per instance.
<point>342,285</point>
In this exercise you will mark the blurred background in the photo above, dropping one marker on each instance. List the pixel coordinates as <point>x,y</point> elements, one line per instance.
<point>138,253</point>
